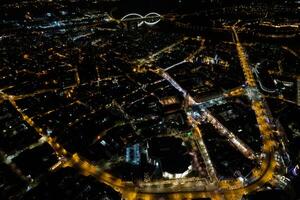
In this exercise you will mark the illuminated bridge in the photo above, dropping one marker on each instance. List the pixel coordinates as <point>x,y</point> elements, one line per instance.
<point>149,19</point>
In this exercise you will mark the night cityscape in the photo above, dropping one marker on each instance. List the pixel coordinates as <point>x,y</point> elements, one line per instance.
<point>149,100</point>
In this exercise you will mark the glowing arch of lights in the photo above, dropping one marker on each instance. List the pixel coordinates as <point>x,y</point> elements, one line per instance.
<point>151,14</point>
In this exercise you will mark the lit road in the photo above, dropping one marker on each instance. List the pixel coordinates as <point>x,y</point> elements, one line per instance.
<point>186,188</point>
<point>207,116</point>
<point>204,153</point>
<point>232,189</point>
<point>233,139</point>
